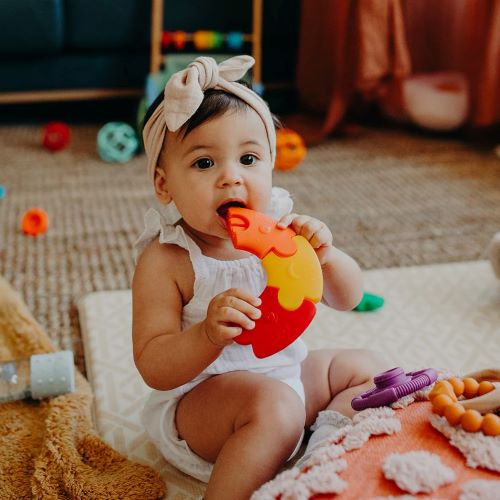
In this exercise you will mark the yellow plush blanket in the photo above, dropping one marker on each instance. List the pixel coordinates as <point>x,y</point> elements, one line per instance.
<point>50,449</point>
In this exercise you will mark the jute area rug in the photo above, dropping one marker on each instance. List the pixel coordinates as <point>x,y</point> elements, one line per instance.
<point>391,198</point>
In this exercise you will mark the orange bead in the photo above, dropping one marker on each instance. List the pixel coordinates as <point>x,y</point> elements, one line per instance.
<point>440,402</point>
<point>458,385</point>
<point>491,424</point>
<point>484,387</point>
<point>471,420</point>
<point>442,387</point>
<point>470,387</point>
<point>453,413</point>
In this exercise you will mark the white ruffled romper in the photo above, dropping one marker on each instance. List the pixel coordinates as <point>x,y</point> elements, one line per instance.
<point>212,277</point>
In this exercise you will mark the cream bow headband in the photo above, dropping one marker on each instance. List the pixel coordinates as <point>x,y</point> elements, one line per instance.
<point>184,94</point>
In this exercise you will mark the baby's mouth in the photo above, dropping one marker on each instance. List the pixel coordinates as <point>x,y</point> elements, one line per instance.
<point>222,210</point>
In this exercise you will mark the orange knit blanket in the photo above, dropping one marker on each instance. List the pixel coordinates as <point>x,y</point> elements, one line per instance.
<point>50,449</point>
<point>348,468</point>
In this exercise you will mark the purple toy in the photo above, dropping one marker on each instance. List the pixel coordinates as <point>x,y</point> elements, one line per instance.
<point>392,385</point>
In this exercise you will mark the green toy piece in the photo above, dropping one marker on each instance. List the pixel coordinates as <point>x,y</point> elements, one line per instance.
<point>369,302</point>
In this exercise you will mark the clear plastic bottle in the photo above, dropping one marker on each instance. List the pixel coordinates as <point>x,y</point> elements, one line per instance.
<point>37,377</point>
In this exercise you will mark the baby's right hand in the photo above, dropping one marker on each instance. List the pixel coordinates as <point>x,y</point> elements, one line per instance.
<point>228,314</point>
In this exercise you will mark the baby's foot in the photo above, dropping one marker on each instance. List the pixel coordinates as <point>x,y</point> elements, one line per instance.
<point>327,424</point>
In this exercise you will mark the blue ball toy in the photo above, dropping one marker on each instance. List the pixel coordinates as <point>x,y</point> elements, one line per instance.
<point>117,142</point>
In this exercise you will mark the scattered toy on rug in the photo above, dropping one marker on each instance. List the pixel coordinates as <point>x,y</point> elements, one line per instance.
<point>369,302</point>
<point>56,136</point>
<point>117,142</point>
<point>290,149</point>
<point>35,221</point>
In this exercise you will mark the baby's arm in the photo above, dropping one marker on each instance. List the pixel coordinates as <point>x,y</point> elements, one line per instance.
<point>343,282</point>
<point>166,356</point>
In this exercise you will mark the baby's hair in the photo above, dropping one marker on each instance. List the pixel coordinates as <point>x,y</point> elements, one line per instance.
<point>215,102</point>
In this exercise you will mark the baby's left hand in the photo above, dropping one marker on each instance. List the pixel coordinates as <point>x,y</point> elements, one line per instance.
<point>313,230</point>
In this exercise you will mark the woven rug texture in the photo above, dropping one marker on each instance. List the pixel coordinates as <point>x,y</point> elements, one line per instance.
<point>392,198</point>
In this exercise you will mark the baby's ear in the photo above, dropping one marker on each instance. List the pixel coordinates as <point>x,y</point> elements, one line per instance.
<point>161,189</point>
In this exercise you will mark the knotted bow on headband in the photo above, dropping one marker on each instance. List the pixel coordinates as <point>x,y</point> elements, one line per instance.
<point>184,95</point>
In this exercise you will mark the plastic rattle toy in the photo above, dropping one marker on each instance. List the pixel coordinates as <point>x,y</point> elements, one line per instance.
<point>55,136</point>
<point>479,397</point>
<point>392,385</point>
<point>3,191</point>
<point>35,221</point>
<point>117,142</point>
<point>294,280</point>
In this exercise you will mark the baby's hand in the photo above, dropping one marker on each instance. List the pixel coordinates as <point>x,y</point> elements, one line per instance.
<point>313,230</point>
<point>228,313</point>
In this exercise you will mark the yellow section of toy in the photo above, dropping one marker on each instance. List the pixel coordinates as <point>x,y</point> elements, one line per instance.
<point>297,277</point>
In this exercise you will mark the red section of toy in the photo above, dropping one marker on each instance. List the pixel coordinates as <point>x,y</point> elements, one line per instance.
<point>55,136</point>
<point>257,233</point>
<point>277,327</point>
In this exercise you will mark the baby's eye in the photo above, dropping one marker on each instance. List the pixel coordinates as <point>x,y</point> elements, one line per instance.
<point>203,163</point>
<point>248,159</point>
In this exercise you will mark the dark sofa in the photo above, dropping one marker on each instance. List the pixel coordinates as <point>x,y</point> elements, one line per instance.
<point>80,49</point>
<point>54,45</point>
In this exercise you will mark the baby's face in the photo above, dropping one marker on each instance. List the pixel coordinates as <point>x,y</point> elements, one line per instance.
<point>224,161</point>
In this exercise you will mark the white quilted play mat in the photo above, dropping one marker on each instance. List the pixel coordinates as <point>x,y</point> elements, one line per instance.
<point>444,316</point>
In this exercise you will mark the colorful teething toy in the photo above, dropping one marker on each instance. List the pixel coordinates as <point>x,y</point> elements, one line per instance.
<point>393,385</point>
<point>479,397</point>
<point>294,280</point>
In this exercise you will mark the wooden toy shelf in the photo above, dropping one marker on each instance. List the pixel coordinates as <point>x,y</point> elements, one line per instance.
<point>255,38</point>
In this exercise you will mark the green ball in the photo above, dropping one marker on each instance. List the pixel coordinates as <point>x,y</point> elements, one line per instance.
<point>117,142</point>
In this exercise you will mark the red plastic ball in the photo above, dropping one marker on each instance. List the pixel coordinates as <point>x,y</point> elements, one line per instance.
<point>55,136</point>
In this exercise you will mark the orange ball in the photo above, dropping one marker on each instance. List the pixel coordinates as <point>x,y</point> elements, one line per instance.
<point>491,425</point>
<point>470,387</point>
<point>440,402</point>
<point>484,387</point>
<point>290,149</point>
<point>458,385</point>
<point>471,420</point>
<point>453,413</point>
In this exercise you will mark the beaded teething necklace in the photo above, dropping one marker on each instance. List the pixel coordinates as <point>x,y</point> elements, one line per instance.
<point>478,397</point>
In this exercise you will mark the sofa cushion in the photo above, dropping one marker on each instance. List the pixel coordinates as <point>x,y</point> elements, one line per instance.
<point>108,25</point>
<point>103,70</point>
<point>31,27</point>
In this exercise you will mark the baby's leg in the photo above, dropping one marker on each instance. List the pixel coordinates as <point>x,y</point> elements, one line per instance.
<point>248,424</point>
<point>333,377</point>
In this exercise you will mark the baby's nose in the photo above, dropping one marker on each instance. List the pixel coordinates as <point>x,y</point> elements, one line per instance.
<point>230,176</point>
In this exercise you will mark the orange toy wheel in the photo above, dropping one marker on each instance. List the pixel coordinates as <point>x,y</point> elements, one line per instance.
<point>35,221</point>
